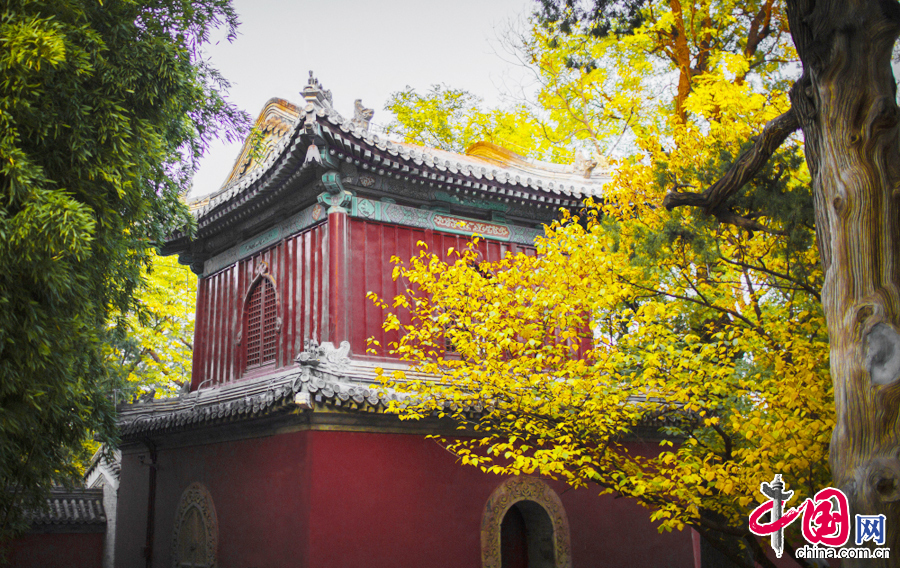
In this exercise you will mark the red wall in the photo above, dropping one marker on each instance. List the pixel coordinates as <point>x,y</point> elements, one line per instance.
<point>323,499</point>
<point>418,507</point>
<point>372,245</point>
<point>72,550</point>
<point>260,491</point>
<point>298,265</point>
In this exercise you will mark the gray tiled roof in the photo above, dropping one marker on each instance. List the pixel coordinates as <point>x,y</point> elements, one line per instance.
<point>519,178</point>
<point>302,387</point>
<point>351,386</point>
<point>71,507</point>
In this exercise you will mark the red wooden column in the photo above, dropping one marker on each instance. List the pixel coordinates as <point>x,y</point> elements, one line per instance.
<point>338,200</point>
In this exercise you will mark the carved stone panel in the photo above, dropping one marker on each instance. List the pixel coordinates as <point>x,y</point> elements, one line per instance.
<point>533,491</point>
<point>195,538</point>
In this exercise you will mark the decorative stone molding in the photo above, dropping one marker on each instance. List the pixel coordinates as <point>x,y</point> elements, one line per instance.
<point>262,268</point>
<point>362,115</point>
<point>387,211</point>
<point>471,201</point>
<point>315,93</point>
<point>511,492</point>
<point>583,165</point>
<point>195,537</point>
<point>327,355</point>
<point>365,209</point>
<point>333,182</point>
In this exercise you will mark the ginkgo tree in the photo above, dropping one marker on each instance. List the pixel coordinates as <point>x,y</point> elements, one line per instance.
<point>843,99</point>
<point>155,345</point>
<point>635,321</point>
<point>454,119</point>
<point>562,360</point>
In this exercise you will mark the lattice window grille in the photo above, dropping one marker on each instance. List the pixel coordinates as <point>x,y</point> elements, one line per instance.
<point>193,549</point>
<point>261,325</point>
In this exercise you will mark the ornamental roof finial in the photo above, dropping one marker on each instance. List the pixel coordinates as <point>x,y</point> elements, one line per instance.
<point>315,93</point>
<point>362,115</point>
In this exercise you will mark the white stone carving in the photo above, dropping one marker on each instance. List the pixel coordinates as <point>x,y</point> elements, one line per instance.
<point>326,355</point>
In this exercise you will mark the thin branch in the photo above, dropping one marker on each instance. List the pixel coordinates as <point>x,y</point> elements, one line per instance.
<point>759,329</point>
<point>742,222</point>
<point>797,284</point>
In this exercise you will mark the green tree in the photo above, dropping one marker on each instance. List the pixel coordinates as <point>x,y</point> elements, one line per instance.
<point>104,110</point>
<point>454,119</point>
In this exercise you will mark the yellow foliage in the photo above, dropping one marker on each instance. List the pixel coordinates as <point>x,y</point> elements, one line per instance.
<point>633,322</point>
<point>739,378</point>
<point>156,353</point>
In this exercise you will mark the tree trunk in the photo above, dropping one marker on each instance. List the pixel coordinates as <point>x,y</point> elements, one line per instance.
<point>846,104</point>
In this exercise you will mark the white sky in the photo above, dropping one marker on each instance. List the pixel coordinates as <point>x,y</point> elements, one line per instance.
<point>360,50</point>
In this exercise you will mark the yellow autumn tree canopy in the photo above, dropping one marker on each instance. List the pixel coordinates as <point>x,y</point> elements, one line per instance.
<point>562,361</point>
<point>700,332</point>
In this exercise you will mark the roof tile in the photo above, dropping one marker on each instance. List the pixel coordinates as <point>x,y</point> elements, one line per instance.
<point>70,507</point>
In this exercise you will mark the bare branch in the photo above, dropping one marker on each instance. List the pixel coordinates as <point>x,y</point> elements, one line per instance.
<point>797,284</point>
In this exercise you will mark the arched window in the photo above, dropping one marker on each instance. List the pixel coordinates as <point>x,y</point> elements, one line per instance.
<point>196,536</point>
<point>261,324</point>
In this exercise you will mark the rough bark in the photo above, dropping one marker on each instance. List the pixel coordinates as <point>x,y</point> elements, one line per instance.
<point>845,102</point>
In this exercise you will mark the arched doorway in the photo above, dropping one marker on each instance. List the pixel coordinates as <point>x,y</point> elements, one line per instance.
<point>526,537</point>
<point>524,525</point>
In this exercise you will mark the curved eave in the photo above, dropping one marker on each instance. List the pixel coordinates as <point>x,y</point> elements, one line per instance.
<point>453,172</point>
<point>297,389</point>
<point>287,169</point>
<point>276,109</point>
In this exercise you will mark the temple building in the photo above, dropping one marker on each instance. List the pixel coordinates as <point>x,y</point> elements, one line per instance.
<point>280,453</point>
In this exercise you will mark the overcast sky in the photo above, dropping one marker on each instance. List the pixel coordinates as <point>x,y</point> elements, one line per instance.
<point>360,50</point>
